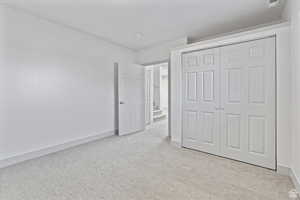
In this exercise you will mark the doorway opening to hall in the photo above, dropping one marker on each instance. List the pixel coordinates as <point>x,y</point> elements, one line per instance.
<point>157,95</point>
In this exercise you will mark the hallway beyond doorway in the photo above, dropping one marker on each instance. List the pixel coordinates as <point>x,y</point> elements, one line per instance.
<point>156,90</point>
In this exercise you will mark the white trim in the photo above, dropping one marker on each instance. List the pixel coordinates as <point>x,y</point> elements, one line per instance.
<point>149,69</point>
<point>70,27</point>
<point>233,37</point>
<point>283,170</point>
<point>175,143</point>
<point>295,180</point>
<point>52,149</point>
<point>286,171</point>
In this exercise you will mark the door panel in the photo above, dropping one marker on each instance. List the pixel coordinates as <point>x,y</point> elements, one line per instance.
<point>233,131</point>
<point>208,123</point>
<point>257,134</point>
<point>131,93</point>
<point>248,93</point>
<point>256,77</point>
<point>200,97</point>
<point>191,120</point>
<point>208,86</point>
<point>191,87</point>
<point>233,79</point>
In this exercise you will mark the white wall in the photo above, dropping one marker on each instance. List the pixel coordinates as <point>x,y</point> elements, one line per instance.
<point>159,53</point>
<point>56,84</point>
<point>283,83</point>
<point>292,13</point>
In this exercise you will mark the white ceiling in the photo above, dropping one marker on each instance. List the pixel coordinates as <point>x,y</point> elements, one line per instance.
<point>157,20</point>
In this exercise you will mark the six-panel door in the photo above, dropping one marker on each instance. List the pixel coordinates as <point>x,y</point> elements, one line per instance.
<point>248,99</point>
<point>200,100</point>
<point>239,118</point>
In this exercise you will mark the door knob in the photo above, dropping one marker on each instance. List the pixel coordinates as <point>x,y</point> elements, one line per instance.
<point>122,102</point>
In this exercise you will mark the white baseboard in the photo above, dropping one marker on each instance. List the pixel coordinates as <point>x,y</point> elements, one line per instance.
<point>52,149</point>
<point>295,180</point>
<point>175,143</point>
<point>283,170</point>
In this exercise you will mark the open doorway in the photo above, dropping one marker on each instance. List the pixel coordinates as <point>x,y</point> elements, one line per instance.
<point>156,91</point>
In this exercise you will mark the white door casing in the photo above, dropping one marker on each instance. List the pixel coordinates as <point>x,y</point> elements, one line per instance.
<point>131,94</point>
<point>148,95</point>
<point>243,104</point>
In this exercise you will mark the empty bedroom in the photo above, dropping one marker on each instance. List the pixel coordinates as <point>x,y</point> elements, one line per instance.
<point>150,100</point>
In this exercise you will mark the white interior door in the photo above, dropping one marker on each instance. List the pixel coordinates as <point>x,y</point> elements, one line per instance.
<point>228,103</point>
<point>201,100</point>
<point>131,94</point>
<point>248,99</point>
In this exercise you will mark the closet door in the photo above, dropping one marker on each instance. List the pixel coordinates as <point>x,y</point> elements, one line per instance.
<point>200,101</point>
<point>248,102</point>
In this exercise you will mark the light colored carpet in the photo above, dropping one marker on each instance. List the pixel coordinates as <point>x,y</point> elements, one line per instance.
<point>142,166</point>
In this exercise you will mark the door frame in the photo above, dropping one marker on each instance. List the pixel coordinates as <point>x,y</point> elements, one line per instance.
<point>116,97</point>
<point>281,32</point>
<point>149,69</point>
<point>169,89</point>
<point>118,76</point>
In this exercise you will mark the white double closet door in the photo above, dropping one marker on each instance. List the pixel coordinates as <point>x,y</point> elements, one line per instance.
<point>228,103</point>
